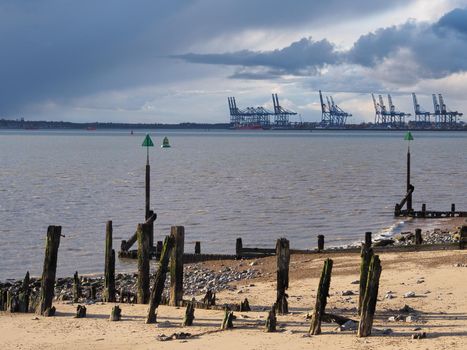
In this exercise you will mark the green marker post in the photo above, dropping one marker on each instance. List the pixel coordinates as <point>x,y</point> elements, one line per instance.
<point>147,143</point>
<point>408,137</point>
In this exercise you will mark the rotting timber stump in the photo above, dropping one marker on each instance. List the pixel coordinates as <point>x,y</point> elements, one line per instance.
<point>321,298</point>
<point>283,260</point>
<point>366,254</point>
<point>159,281</point>
<point>371,296</point>
<point>49,271</point>
<point>109,268</point>
<point>176,265</point>
<point>144,231</point>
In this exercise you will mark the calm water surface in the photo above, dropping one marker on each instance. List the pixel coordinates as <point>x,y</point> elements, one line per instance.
<point>219,184</point>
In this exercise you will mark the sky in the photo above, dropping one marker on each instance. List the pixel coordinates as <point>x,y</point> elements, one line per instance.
<point>159,61</point>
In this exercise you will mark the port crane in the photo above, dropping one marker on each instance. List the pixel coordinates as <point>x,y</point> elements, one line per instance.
<point>331,114</point>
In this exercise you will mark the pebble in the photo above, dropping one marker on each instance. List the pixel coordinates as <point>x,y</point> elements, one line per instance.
<point>421,335</point>
<point>347,292</point>
<point>409,295</point>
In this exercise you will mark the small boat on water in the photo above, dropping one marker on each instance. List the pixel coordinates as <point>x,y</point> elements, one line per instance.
<point>165,143</point>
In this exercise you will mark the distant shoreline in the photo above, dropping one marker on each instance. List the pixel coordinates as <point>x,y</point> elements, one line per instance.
<point>62,125</point>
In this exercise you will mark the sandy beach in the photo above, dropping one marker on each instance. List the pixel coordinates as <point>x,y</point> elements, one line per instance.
<point>436,278</point>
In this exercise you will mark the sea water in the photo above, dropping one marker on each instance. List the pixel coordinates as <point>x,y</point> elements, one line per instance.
<point>220,185</point>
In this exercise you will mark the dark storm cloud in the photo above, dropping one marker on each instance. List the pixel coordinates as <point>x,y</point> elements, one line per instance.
<point>55,50</point>
<point>301,57</point>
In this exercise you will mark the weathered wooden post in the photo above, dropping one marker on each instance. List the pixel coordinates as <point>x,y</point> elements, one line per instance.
<point>109,268</point>
<point>283,260</point>
<point>368,240</point>
<point>76,287</point>
<point>418,236</point>
<point>453,209</point>
<point>143,264</point>
<point>189,315</point>
<point>320,243</point>
<point>151,231</point>
<point>271,320</point>
<point>371,296</point>
<point>80,311</point>
<point>49,271</point>
<point>158,287</point>
<point>197,247</point>
<point>245,305</point>
<point>115,314</point>
<point>227,322</point>
<point>238,248</point>
<point>159,247</point>
<point>176,265</point>
<point>321,298</point>
<point>423,210</point>
<point>26,281</point>
<point>463,237</point>
<point>366,254</point>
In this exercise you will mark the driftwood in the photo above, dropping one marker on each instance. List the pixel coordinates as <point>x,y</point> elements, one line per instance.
<point>371,296</point>
<point>158,287</point>
<point>321,298</point>
<point>49,271</point>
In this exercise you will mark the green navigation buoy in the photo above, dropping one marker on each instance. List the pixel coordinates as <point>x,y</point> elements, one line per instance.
<point>408,136</point>
<point>165,143</point>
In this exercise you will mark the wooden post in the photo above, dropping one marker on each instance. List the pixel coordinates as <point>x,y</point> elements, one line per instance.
<point>159,247</point>
<point>148,179</point>
<point>115,314</point>
<point>271,321</point>
<point>189,315</point>
<point>321,298</point>
<point>76,287</point>
<point>368,241</point>
<point>283,260</point>
<point>227,322</point>
<point>49,271</point>
<point>366,254</point>
<point>26,281</point>
<point>409,199</point>
<point>423,210</point>
<point>453,209</point>
<point>238,248</point>
<point>159,282</point>
<point>463,237</point>
<point>80,311</point>
<point>126,245</point>
<point>418,236</point>
<point>109,268</point>
<point>176,266</point>
<point>151,231</point>
<point>197,247</point>
<point>371,296</point>
<point>320,243</point>
<point>245,305</point>
<point>143,264</point>
<point>3,299</point>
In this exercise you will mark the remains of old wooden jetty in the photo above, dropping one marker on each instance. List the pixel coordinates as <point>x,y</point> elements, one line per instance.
<point>407,200</point>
